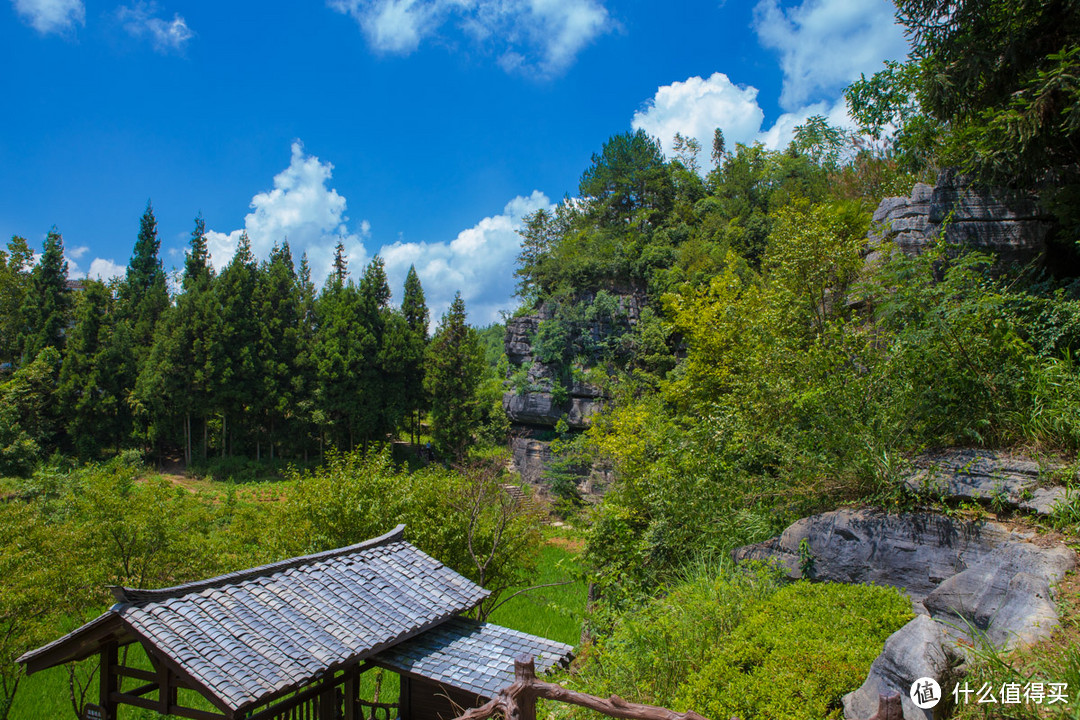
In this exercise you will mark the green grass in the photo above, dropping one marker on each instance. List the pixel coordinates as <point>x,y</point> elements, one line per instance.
<point>554,613</point>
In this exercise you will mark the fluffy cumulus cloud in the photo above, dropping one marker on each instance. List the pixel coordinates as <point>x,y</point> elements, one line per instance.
<point>696,107</point>
<point>536,37</point>
<point>141,21</point>
<point>51,16</point>
<point>302,209</point>
<point>825,44</point>
<point>479,262</point>
<point>100,268</point>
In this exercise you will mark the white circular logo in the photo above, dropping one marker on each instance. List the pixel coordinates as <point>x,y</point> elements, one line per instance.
<point>925,693</point>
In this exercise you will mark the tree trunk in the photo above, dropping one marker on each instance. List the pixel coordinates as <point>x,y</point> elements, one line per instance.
<point>224,432</point>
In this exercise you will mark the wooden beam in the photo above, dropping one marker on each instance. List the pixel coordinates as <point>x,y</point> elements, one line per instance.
<point>135,673</point>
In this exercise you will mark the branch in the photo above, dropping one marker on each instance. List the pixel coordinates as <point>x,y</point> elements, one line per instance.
<point>528,589</point>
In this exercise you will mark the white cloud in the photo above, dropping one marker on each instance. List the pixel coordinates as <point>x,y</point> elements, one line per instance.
<point>696,107</point>
<point>479,262</point>
<point>783,130</point>
<point>140,20</point>
<point>539,37</point>
<point>100,268</point>
<point>51,16</point>
<point>825,44</point>
<point>105,270</point>
<point>303,210</point>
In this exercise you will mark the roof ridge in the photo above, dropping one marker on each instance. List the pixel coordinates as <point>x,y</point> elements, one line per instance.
<point>137,596</point>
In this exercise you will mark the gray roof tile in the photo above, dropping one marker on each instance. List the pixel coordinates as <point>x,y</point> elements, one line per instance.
<point>471,655</point>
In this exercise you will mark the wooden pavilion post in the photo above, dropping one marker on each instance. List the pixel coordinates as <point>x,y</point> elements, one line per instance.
<point>108,680</point>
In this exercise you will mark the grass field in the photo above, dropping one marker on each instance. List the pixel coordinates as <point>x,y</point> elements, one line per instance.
<point>553,612</point>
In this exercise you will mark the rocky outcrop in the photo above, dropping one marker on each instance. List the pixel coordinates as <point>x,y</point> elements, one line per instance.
<point>919,649</point>
<point>964,213</point>
<point>544,395</point>
<point>970,583</point>
<point>541,408</point>
<point>912,551</point>
<point>989,476</point>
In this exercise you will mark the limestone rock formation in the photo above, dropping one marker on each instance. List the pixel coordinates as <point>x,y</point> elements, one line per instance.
<point>544,395</point>
<point>987,475</point>
<point>991,219</point>
<point>912,551</point>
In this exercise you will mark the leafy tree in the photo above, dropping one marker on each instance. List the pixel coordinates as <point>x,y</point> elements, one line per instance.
<point>46,306</point>
<point>455,363</point>
<point>29,417</point>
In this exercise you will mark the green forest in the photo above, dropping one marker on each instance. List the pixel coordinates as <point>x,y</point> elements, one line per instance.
<point>153,433</point>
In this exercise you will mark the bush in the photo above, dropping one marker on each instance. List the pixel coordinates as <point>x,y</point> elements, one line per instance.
<point>797,654</point>
<point>736,643</point>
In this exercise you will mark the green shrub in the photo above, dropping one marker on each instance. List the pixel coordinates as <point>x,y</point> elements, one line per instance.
<point>797,654</point>
<point>730,642</point>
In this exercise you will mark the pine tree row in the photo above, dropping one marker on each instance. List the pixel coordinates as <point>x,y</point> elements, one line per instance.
<point>252,361</point>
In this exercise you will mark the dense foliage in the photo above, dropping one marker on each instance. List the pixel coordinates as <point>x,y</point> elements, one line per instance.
<point>740,644</point>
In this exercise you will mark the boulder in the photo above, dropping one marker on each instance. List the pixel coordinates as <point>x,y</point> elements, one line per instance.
<point>970,582</point>
<point>920,649</point>
<point>1005,598</point>
<point>911,551</point>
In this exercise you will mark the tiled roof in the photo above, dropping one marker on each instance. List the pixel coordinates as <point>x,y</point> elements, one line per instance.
<point>472,655</point>
<point>248,636</point>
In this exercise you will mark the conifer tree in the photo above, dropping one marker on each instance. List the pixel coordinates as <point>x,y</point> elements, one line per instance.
<point>87,390</point>
<point>233,355</point>
<point>144,294</point>
<point>46,306</point>
<point>277,303</point>
<point>455,365</point>
<point>415,312</point>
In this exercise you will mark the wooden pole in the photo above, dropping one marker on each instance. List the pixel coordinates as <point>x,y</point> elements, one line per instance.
<point>525,676</point>
<point>108,684</point>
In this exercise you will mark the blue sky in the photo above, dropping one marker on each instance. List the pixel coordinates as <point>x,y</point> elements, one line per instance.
<point>422,130</point>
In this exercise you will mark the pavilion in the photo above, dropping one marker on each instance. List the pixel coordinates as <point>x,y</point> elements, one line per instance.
<point>290,640</point>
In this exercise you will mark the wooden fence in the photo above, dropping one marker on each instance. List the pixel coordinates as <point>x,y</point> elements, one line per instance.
<point>518,701</point>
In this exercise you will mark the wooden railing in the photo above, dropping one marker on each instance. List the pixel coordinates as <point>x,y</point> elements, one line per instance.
<point>518,701</point>
<point>331,705</point>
